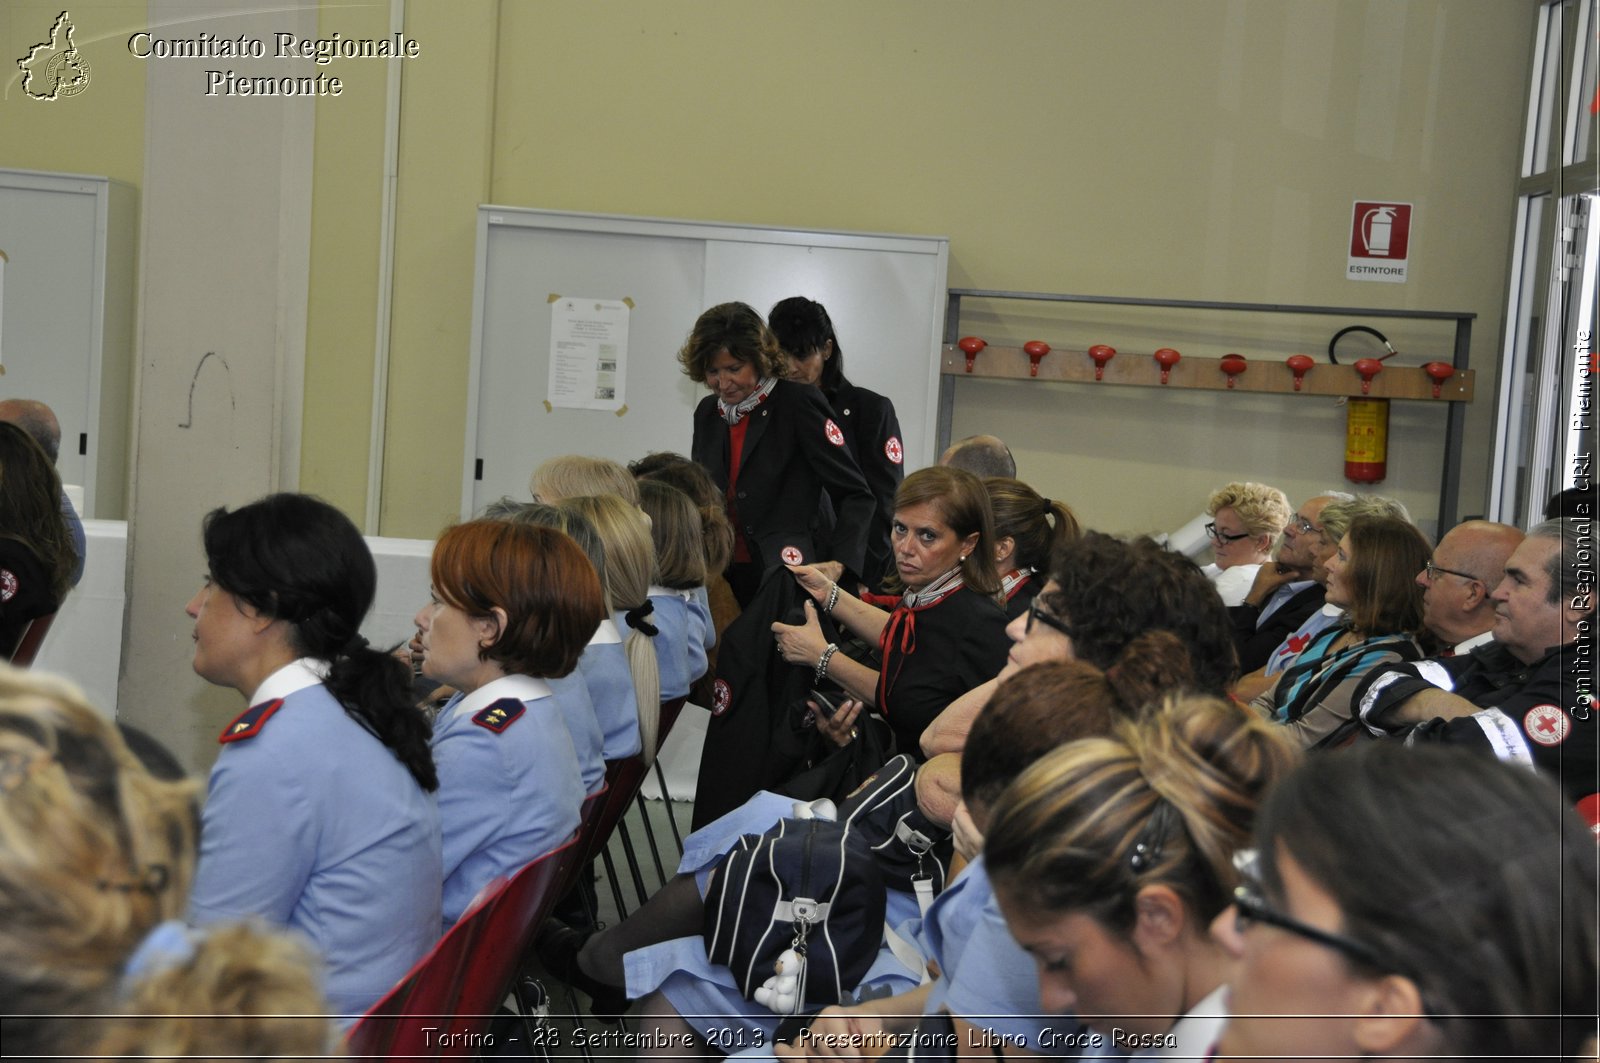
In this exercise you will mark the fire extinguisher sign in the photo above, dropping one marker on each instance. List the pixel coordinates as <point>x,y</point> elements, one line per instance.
<point>1380,240</point>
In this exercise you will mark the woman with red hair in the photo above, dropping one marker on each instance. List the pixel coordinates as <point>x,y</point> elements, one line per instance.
<point>512,606</point>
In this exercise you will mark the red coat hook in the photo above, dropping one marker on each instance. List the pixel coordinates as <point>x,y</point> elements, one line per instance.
<point>1233,365</point>
<point>1101,355</point>
<point>1440,371</point>
<point>1166,358</point>
<point>1035,350</point>
<point>972,345</point>
<point>1299,365</point>
<point>1368,368</point>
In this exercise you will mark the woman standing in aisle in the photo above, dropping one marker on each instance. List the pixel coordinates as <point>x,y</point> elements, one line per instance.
<point>871,429</point>
<point>773,448</point>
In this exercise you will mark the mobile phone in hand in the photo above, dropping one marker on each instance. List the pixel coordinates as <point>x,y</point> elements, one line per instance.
<point>825,705</point>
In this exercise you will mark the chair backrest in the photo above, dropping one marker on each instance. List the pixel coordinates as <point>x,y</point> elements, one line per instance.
<point>623,779</point>
<point>515,915</point>
<point>32,638</point>
<point>408,1021</point>
<point>670,711</point>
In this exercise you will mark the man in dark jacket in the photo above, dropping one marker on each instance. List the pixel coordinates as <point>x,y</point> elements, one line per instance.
<point>1527,696</point>
<point>1283,593</point>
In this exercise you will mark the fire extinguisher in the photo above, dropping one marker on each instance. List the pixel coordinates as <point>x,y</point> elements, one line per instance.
<point>1366,423</point>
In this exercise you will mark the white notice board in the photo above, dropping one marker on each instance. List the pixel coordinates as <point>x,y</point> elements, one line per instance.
<point>885,294</point>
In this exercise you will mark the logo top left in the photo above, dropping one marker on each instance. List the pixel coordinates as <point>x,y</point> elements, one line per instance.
<point>55,69</point>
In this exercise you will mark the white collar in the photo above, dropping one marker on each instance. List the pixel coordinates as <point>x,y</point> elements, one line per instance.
<point>1474,642</point>
<point>606,634</point>
<point>1196,1033</point>
<point>291,679</point>
<point>657,591</point>
<point>1333,610</point>
<point>520,687</point>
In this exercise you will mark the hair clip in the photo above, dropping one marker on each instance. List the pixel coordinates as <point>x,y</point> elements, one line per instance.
<point>152,881</point>
<point>1144,854</point>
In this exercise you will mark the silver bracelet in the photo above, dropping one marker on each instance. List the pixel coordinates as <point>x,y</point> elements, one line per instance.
<point>833,600</point>
<point>822,662</point>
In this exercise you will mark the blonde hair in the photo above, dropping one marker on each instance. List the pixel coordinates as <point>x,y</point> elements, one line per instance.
<point>94,852</point>
<point>675,530</point>
<point>246,991</point>
<point>1165,801</point>
<point>1262,510</point>
<point>575,475</point>
<point>630,564</point>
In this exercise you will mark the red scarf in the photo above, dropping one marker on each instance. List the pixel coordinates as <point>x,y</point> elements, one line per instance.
<point>902,628</point>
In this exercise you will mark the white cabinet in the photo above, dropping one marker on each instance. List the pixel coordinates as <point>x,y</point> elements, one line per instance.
<point>66,329</point>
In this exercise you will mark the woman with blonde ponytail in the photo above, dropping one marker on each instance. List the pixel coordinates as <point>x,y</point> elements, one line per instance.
<point>628,702</point>
<point>1110,858</point>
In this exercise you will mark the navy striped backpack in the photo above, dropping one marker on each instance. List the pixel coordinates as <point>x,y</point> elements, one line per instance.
<point>805,885</point>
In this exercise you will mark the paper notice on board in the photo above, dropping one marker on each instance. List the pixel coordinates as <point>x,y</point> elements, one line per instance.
<point>588,353</point>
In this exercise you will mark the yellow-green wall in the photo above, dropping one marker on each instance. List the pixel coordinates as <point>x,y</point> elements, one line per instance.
<point>100,131</point>
<point>1204,149</point>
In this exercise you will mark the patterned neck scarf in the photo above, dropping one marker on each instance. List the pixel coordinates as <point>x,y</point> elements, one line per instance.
<point>734,414</point>
<point>900,633</point>
<point>1012,581</point>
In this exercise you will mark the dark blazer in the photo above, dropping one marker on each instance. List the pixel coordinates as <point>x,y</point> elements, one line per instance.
<point>794,450</point>
<point>1255,644</point>
<point>872,432</point>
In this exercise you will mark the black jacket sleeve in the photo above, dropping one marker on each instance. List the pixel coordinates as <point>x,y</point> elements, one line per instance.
<point>873,430</point>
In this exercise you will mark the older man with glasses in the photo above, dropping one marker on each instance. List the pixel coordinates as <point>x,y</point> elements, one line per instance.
<point>1526,697</point>
<point>1467,565</point>
<point>1284,593</point>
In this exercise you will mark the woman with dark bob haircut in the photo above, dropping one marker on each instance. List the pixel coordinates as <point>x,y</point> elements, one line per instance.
<point>871,428</point>
<point>1410,903</point>
<point>319,814</point>
<point>1372,575</point>
<point>773,447</point>
<point>36,551</point>
<point>513,605</point>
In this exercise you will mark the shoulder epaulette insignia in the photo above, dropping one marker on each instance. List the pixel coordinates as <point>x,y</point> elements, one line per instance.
<point>500,715</point>
<point>248,724</point>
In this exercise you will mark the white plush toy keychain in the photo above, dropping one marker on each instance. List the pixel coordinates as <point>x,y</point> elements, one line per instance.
<point>781,993</point>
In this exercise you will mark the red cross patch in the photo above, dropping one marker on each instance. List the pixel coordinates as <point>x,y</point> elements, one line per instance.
<point>791,555</point>
<point>1547,725</point>
<point>721,697</point>
<point>835,434</point>
<point>1298,643</point>
<point>894,451</point>
<point>8,584</point>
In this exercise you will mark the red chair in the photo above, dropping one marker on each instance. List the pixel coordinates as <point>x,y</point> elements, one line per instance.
<point>443,1006</point>
<point>623,778</point>
<point>32,638</point>
<point>515,915</point>
<point>407,1022</point>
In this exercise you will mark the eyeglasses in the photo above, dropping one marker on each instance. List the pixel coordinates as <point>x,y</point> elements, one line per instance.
<point>1300,526</point>
<point>1434,570</point>
<point>1252,907</point>
<point>1047,619</point>
<point>1222,536</point>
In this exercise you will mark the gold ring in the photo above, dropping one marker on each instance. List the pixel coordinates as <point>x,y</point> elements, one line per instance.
<point>853,735</point>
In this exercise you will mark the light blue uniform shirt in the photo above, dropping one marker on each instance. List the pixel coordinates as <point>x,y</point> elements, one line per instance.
<point>312,823</point>
<point>583,726</point>
<point>684,620</point>
<point>509,790</point>
<point>604,666</point>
